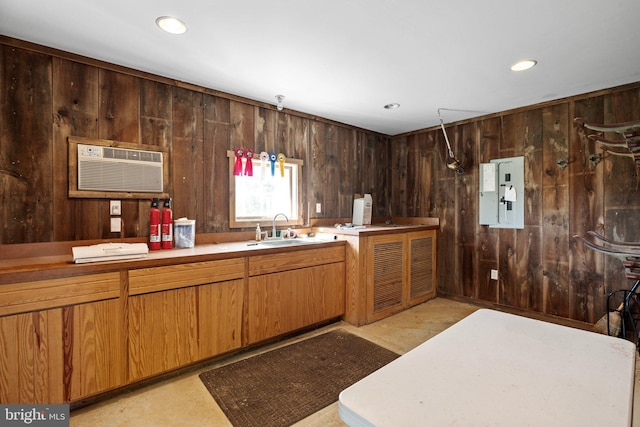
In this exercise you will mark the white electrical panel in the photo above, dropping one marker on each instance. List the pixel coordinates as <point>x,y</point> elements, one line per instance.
<point>502,193</point>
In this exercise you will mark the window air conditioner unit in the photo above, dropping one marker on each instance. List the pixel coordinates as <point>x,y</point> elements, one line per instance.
<point>119,169</point>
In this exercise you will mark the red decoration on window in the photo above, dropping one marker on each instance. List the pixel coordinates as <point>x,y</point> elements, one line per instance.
<point>248,167</point>
<point>237,168</point>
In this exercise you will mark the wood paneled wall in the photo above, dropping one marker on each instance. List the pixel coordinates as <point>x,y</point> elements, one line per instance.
<point>541,267</point>
<point>47,95</point>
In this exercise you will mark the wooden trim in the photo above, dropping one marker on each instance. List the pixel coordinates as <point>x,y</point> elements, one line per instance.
<point>265,264</point>
<point>46,294</point>
<point>232,193</point>
<point>146,280</point>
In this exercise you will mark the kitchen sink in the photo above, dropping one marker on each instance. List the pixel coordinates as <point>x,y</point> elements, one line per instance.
<point>285,242</point>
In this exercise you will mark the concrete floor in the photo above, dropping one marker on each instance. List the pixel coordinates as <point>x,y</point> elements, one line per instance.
<point>184,400</point>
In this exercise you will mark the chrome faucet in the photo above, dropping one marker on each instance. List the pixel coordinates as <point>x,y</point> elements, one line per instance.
<point>273,229</point>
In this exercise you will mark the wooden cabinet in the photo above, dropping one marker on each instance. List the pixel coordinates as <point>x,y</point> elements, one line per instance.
<point>290,291</point>
<point>387,272</point>
<point>180,314</point>
<point>60,339</point>
<point>92,329</point>
<point>400,272</point>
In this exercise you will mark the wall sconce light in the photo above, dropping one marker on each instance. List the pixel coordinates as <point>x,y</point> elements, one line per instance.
<point>280,99</point>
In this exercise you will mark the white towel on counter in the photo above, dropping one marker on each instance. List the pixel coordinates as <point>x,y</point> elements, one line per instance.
<point>109,252</point>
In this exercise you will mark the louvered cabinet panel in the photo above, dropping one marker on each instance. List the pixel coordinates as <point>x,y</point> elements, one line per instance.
<point>400,270</point>
<point>422,262</point>
<point>386,275</point>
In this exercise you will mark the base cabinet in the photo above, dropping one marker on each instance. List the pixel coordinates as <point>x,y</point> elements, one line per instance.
<point>66,339</point>
<point>60,339</point>
<point>180,314</point>
<point>400,272</point>
<point>31,358</point>
<point>309,291</point>
<point>283,302</point>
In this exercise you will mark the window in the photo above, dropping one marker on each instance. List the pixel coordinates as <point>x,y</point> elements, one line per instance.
<point>257,199</point>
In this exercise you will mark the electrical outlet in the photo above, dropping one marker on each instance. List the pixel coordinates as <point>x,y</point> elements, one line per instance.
<point>116,225</point>
<point>318,207</point>
<point>115,208</point>
<point>494,274</point>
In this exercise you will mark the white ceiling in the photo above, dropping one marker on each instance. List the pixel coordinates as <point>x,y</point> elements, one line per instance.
<point>345,59</point>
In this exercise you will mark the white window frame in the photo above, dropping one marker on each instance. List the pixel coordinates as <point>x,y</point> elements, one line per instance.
<point>266,220</point>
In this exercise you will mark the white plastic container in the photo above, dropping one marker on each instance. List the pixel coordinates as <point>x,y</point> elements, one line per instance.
<point>184,232</point>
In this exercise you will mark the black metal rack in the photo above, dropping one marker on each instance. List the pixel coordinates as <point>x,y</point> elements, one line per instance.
<point>628,300</point>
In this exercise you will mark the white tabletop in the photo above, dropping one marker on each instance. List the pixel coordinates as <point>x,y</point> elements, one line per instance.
<point>498,369</point>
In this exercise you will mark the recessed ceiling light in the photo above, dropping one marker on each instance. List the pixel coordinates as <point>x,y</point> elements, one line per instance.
<point>392,106</point>
<point>171,25</point>
<point>523,65</point>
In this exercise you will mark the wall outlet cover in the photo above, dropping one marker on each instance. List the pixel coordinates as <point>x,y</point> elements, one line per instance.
<point>116,225</point>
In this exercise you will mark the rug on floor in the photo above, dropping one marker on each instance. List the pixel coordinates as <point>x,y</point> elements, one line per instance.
<point>283,386</point>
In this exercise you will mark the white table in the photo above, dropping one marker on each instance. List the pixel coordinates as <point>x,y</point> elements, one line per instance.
<point>498,369</point>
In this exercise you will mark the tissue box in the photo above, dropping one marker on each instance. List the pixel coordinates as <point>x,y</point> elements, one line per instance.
<point>184,233</point>
<point>362,207</point>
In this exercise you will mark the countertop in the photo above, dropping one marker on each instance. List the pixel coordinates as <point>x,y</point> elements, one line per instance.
<point>33,268</point>
<point>61,264</point>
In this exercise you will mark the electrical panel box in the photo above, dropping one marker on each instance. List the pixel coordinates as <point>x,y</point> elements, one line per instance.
<point>502,193</point>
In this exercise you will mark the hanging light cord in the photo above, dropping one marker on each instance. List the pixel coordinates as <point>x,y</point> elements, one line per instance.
<point>446,138</point>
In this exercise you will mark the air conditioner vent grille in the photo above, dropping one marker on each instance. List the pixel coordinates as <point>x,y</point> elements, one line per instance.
<point>119,169</point>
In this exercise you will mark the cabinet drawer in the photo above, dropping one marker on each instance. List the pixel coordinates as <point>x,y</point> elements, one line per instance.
<point>45,294</point>
<point>265,264</point>
<point>145,280</point>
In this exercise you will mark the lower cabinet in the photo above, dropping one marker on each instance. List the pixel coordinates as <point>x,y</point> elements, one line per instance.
<point>400,272</point>
<point>283,302</point>
<point>169,328</point>
<point>70,338</point>
<point>310,291</point>
<point>64,353</point>
<point>31,358</point>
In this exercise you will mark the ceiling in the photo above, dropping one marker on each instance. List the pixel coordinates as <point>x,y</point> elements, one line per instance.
<point>345,59</point>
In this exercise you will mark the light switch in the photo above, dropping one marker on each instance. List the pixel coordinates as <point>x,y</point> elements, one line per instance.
<point>318,207</point>
<point>116,225</point>
<point>115,207</point>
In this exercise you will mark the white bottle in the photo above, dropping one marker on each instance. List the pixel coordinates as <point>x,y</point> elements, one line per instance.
<point>258,233</point>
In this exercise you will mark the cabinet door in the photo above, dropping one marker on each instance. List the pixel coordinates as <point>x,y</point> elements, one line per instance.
<point>220,317</point>
<point>283,302</point>
<point>422,266</point>
<point>173,328</point>
<point>386,275</point>
<point>162,331</point>
<point>93,348</point>
<point>31,363</point>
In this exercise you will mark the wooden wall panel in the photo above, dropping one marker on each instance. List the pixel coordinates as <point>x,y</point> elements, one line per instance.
<point>75,109</point>
<point>586,211</point>
<point>187,152</point>
<point>541,267</point>
<point>26,144</point>
<point>215,168</point>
